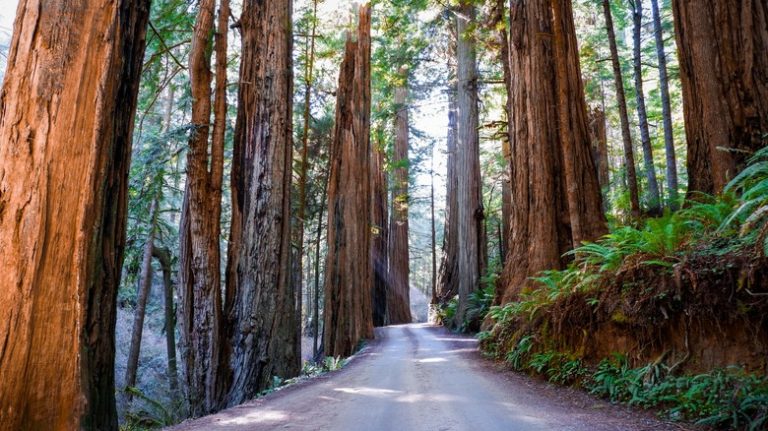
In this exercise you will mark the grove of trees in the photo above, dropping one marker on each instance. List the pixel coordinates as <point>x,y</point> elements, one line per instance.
<point>271,162</point>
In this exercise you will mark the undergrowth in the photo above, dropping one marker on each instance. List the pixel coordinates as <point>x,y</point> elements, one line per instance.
<point>724,398</point>
<point>697,261</point>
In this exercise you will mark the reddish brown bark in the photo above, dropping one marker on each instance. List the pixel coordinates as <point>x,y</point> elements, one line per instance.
<point>585,203</point>
<point>201,320</point>
<point>554,180</point>
<point>261,298</point>
<point>447,279</point>
<point>398,295</point>
<point>348,274</point>
<point>68,105</point>
<point>722,47</point>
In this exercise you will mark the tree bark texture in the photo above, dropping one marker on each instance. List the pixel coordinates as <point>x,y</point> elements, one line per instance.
<point>470,212</point>
<point>722,47</point>
<point>262,312</point>
<point>201,314</point>
<point>599,136</point>
<point>398,294</point>
<point>626,135</point>
<point>348,275</point>
<point>585,203</point>
<point>557,201</point>
<point>666,108</point>
<point>448,277</point>
<point>380,239</point>
<point>66,121</point>
<point>654,199</point>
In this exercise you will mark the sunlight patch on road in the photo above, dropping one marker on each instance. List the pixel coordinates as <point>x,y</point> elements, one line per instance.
<point>429,398</point>
<point>256,417</point>
<point>430,360</point>
<point>376,392</point>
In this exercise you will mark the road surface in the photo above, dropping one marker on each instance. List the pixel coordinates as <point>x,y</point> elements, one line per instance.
<point>420,377</point>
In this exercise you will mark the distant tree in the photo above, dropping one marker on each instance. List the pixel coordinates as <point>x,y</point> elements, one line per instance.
<point>626,135</point>
<point>348,275</point>
<point>470,211</point>
<point>398,296</point>
<point>654,199</point>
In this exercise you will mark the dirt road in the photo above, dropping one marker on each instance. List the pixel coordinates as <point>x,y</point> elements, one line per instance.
<point>419,377</point>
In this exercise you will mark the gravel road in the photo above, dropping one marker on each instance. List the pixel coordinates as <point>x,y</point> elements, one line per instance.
<point>421,377</point>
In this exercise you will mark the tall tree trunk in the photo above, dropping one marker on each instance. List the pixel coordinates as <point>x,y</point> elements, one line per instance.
<point>68,103</point>
<point>724,73</point>
<point>433,231</point>
<point>145,285</point>
<point>666,108</point>
<point>348,274</point>
<point>448,277</point>
<point>585,202</point>
<point>554,180</point>
<point>163,256</point>
<point>380,240</point>
<point>318,237</point>
<point>629,153</point>
<point>654,199</point>
<point>201,314</point>
<point>599,136</point>
<point>398,298</point>
<point>469,191</point>
<point>263,315</point>
<point>506,190</point>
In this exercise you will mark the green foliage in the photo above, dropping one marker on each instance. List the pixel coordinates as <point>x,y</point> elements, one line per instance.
<point>446,312</point>
<point>752,210</point>
<point>729,398</point>
<point>519,354</point>
<point>148,413</point>
<point>328,364</point>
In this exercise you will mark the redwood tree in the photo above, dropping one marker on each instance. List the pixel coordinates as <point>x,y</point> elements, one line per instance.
<point>470,212</point>
<point>398,297</point>
<point>201,317</point>
<point>348,273</point>
<point>554,180</point>
<point>447,277</point>
<point>260,296</point>
<point>724,72</point>
<point>68,105</point>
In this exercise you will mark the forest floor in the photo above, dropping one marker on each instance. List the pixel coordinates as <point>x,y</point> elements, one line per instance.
<point>422,377</point>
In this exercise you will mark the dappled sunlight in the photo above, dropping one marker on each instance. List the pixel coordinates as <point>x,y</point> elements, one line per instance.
<point>256,417</point>
<point>430,360</point>
<point>428,398</point>
<point>374,392</point>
